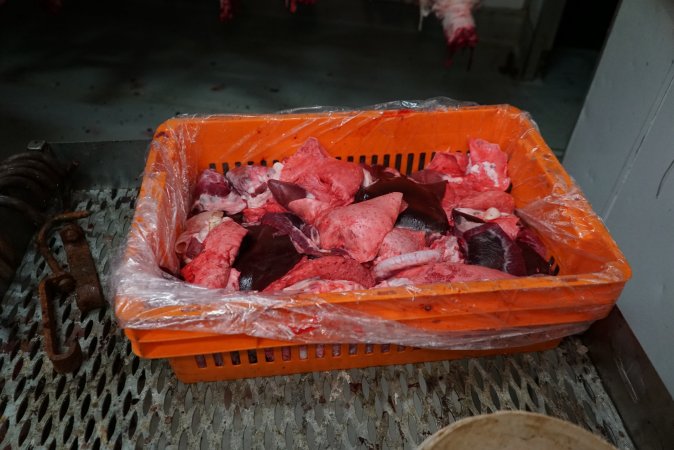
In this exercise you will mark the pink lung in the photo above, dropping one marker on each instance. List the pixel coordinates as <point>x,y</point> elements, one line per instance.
<point>328,179</point>
<point>325,268</point>
<point>360,228</point>
<point>211,267</point>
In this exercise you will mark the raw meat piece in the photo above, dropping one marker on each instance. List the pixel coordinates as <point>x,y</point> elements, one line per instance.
<point>309,209</point>
<point>326,268</point>
<point>452,164</point>
<point>442,248</point>
<point>359,229</point>
<point>488,246</point>
<point>464,222</point>
<point>233,280</point>
<point>296,199</point>
<point>211,267</point>
<point>466,218</point>
<point>535,264</point>
<point>225,238</point>
<point>445,166</point>
<point>284,193</point>
<point>385,268</point>
<point>424,211</point>
<point>401,240</point>
<point>448,247</point>
<point>252,216</point>
<point>428,176</point>
<point>297,164</point>
<point>285,224</point>
<point>533,252</point>
<point>264,257</point>
<point>214,193</point>
<point>251,183</point>
<point>488,168</point>
<point>330,180</point>
<point>500,200</point>
<point>208,269</point>
<point>226,9</point>
<point>458,196</point>
<point>509,224</point>
<point>442,272</point>
<point>528,237</point>
<point>190,242</point>
<point>375,172</point>
<point>457,23</point>
<point>317,286</point>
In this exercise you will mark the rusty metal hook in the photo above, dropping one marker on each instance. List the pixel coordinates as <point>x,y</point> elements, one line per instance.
<point>81,278</point>
<point>43,246</point>
<point>71,359</point>
<point>82,268</point>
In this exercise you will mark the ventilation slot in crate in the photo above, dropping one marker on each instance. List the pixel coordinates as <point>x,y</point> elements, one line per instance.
<point>242,358</point>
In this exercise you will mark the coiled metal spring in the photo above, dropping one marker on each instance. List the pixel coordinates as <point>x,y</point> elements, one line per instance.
<point>28,181</point>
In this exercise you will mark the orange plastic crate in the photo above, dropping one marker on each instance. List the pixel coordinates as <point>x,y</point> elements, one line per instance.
<point>585,290</point>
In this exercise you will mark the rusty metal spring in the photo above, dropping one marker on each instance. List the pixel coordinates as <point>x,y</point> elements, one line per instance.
<point>27,181</point>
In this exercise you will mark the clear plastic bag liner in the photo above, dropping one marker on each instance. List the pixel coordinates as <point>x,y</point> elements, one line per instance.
<point>461,316</point>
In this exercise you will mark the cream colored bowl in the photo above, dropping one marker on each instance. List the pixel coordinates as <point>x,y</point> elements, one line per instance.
<point>514,430</point>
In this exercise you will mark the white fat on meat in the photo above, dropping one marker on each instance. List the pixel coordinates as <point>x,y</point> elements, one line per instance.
<point>448,247</point>
<point>488,215</point>
<point>509,223</point>
<point>486,167</point>
<point>275,171</point>
<point>251,183</point>
<point>197,228</point>
<point>232,203</point>
<point>368,179</point>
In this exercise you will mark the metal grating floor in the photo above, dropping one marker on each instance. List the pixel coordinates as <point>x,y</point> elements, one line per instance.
<point>117,400</point>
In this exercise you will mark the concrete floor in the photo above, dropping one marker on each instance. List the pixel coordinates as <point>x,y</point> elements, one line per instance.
<point>113,71</point>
